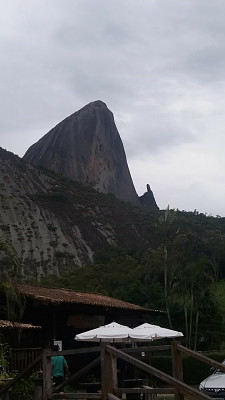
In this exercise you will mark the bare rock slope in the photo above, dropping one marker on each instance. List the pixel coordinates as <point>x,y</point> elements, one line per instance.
<point>57,224</point>
<point>87,148</point>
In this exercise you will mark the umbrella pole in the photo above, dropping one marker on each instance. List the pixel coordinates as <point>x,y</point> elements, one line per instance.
<point>108,371</point>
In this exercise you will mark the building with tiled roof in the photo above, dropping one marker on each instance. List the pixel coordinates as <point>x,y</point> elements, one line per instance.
<point>4,324</point>
<point>59,296</point>
<point>63,313</point>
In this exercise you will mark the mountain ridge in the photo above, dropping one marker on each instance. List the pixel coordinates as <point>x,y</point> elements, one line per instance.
<point>57,224</point>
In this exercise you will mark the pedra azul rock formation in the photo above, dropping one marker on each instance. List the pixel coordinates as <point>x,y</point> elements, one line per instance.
<point>57,224</point>
<point>86,147</point>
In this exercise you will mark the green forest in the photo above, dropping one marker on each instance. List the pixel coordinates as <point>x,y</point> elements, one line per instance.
<point>182,272</point>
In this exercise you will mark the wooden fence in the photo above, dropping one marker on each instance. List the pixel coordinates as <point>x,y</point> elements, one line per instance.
<point>4,389</point>
<point>19,359</point>
<point>109,385</point>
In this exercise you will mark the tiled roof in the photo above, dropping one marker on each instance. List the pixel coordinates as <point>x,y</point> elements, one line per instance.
<point>13,325</point>
<point>59,296</point>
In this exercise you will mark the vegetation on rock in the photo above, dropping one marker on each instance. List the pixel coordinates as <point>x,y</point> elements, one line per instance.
<point>180,273</point>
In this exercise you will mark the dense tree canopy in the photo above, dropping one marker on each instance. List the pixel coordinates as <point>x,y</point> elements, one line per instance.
<point>178,271</point>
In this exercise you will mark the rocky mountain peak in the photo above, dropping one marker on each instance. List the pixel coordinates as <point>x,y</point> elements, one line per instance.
<point>93,104</point>
<point>87,148</point>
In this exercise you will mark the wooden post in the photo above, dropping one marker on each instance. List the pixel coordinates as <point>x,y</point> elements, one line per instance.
<point>177,368</point>
<point>47,373</point>
<point>38,393</point>
<point>108,372</point>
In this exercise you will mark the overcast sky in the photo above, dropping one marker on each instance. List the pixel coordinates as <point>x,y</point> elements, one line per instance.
<point>159,65</point>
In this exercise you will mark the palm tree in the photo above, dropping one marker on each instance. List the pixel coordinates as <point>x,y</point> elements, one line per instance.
<point>214,241</point>
<point>190,288</point>
<point>166,221</point>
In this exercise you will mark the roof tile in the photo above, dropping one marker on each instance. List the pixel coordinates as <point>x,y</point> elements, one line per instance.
<point>57,296</point>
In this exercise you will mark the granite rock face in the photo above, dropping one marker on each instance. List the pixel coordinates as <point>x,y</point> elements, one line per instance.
<point>56,224</point>
<point>87,148</point>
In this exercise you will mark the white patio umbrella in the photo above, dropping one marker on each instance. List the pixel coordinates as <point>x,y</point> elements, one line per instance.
<point>151,332</point>
<point>112,333</point>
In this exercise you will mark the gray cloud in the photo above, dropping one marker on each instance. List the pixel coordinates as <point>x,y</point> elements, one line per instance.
<point>158,65</point>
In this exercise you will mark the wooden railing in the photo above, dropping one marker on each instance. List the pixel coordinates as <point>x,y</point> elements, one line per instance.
<point>180,388</point>
<point>20,358</point>
<point>109,386</point>
<point>20,375</point>
<point>48,391</point>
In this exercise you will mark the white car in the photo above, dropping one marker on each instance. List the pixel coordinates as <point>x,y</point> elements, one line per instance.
<point>214,385</point>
